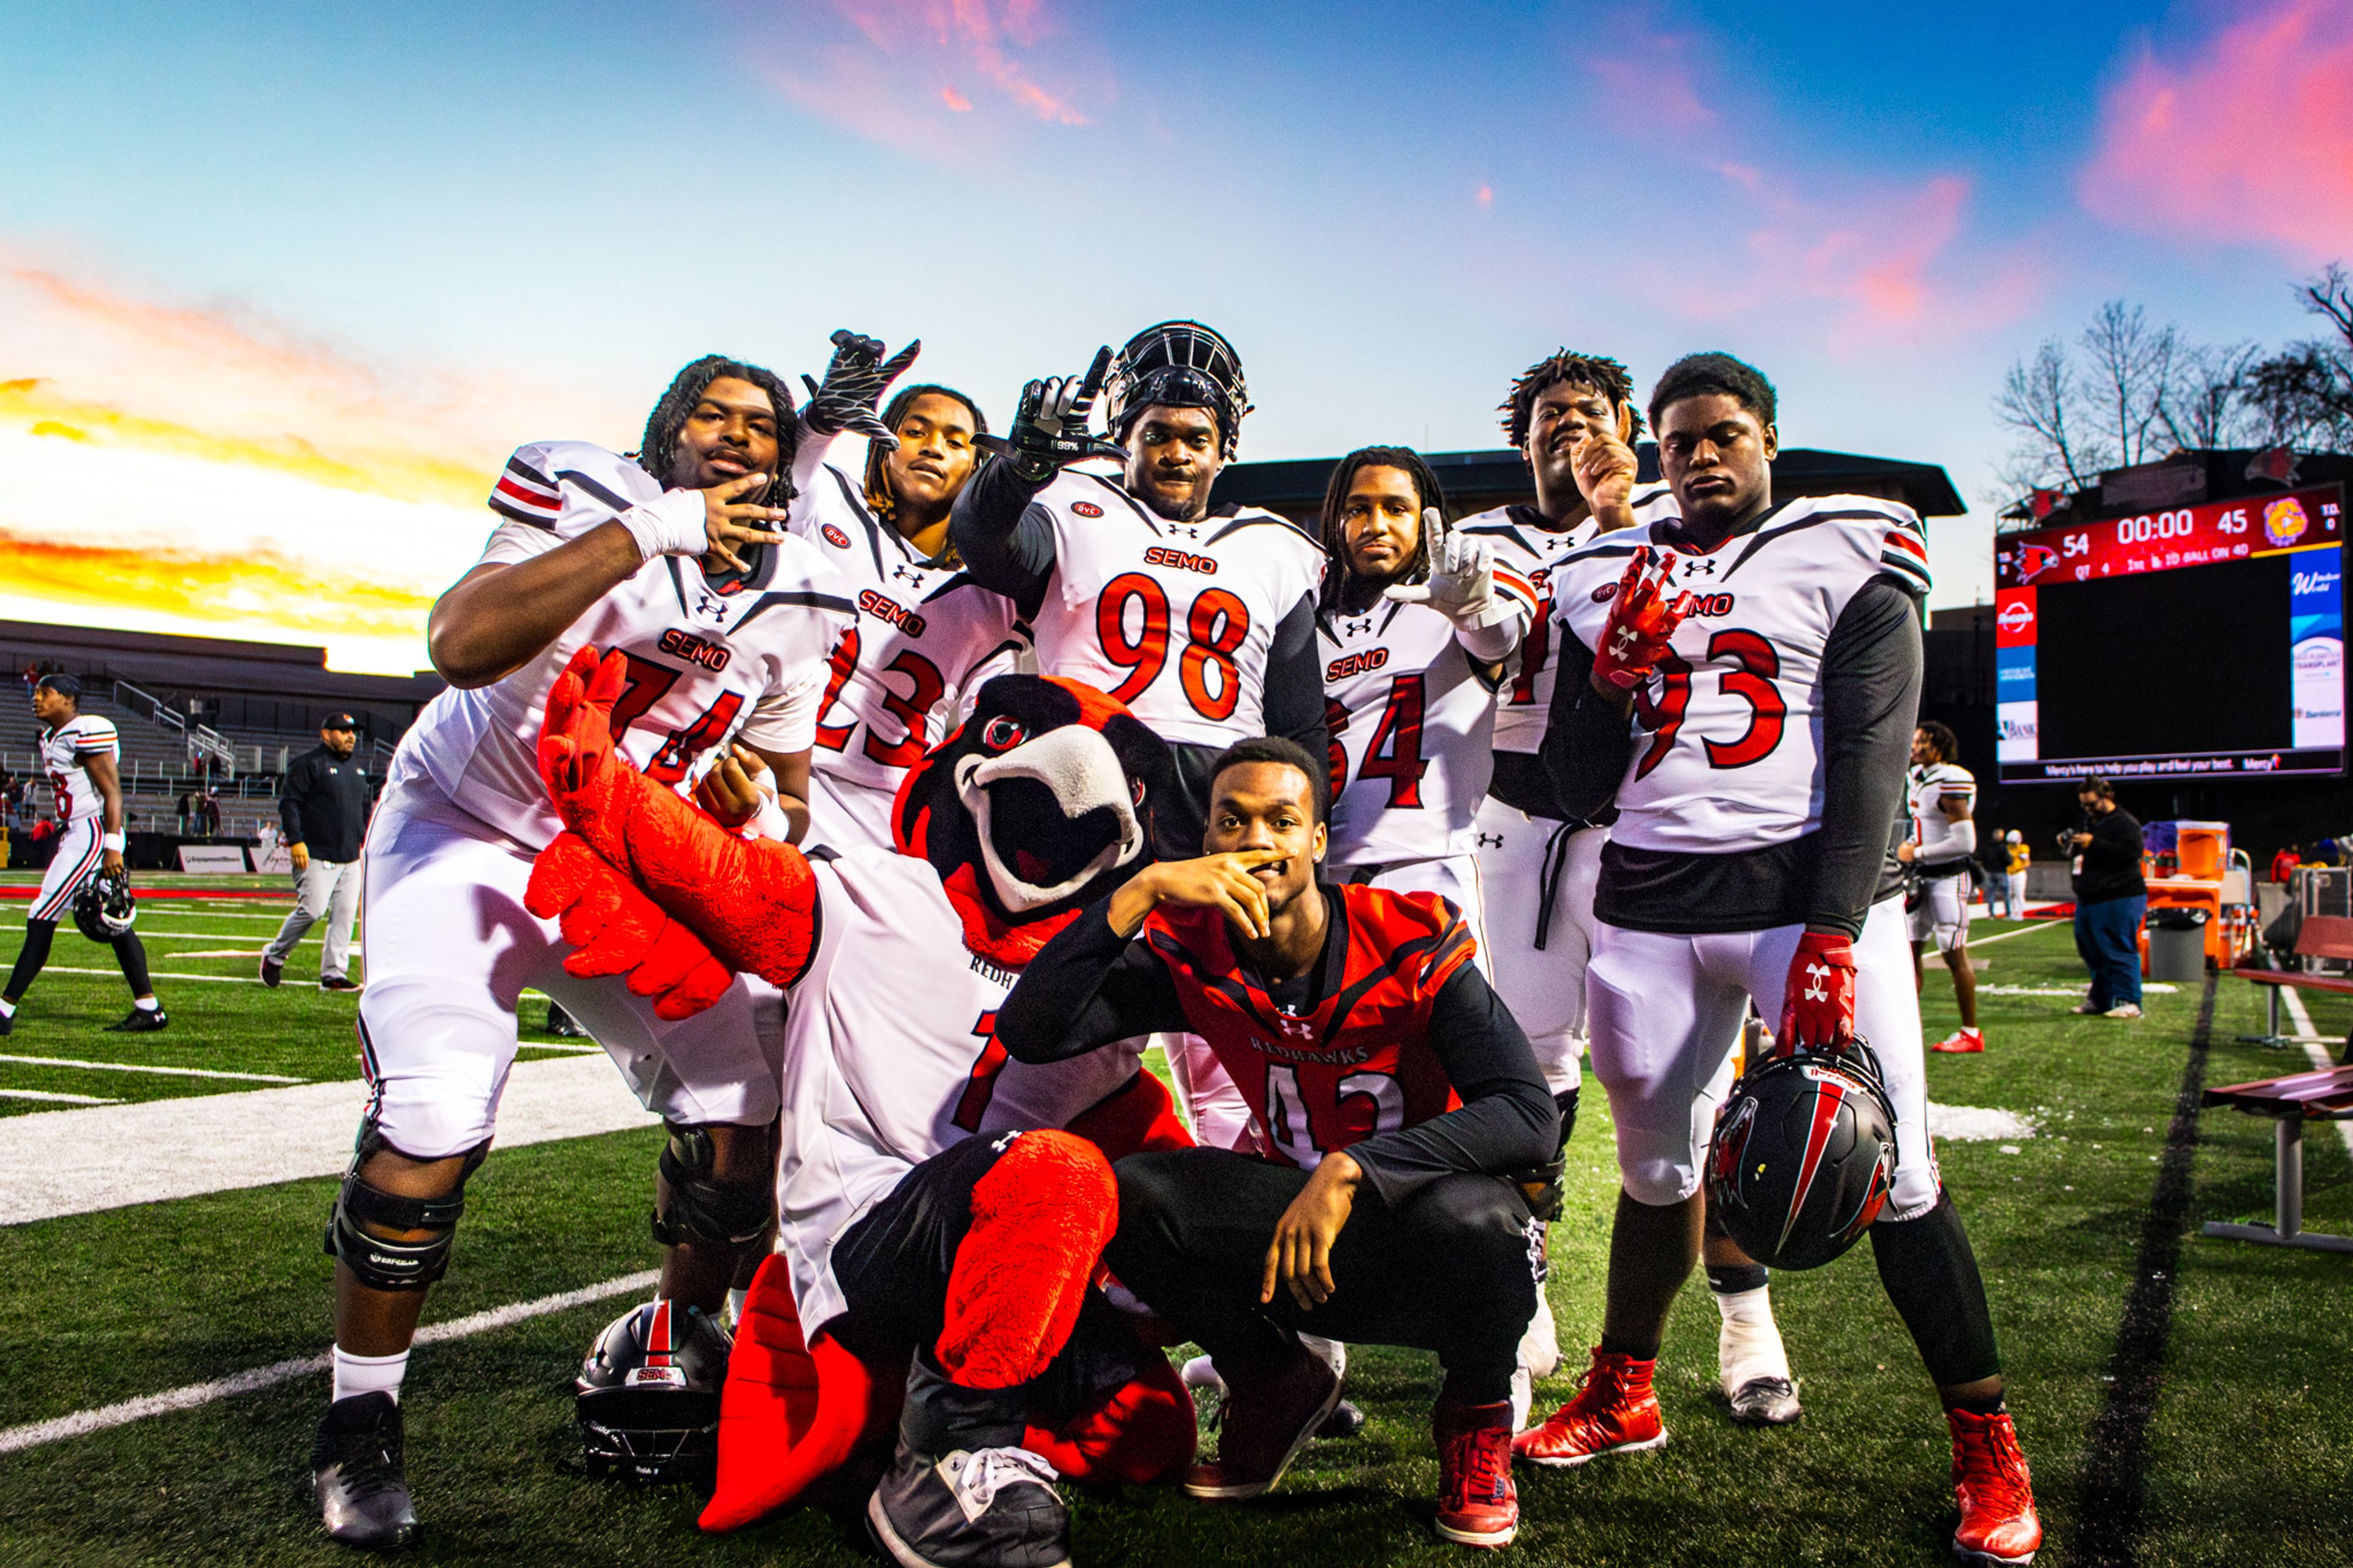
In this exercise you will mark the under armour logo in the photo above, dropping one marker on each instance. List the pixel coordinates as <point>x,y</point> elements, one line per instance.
<point>705,605</point>
<point>1296,1028</point>
<point>1358,629</point>
<point>1491,841</point>
<point>906,574</point>
<point>1817,976</point>
<point>1183,531</point>
<point>1699,566</point>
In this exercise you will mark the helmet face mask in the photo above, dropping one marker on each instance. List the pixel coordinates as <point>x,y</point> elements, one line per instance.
<point>648,1395</point>
<point>1178,364</point>
<point>104,910</point>
<point>1803,1156</point>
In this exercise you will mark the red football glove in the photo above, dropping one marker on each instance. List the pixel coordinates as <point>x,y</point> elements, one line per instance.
<point>1817,1003</point>
<point>617,929</point>
<point>753,901</point>
<point>1641,624</point>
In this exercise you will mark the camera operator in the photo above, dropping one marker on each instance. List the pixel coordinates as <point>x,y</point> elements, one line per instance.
<point>2110,899</point>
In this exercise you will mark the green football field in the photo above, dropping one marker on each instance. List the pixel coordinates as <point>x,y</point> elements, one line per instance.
<point>2209,1423</point>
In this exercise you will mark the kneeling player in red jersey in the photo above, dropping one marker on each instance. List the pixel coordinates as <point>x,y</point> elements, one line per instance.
<point>1392,1097</point>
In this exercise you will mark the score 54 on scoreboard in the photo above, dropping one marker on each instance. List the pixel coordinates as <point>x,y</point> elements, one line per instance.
<point>2206,642</point>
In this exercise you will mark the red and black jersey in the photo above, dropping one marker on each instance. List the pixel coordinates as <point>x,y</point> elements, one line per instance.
<point>1357,1063</point>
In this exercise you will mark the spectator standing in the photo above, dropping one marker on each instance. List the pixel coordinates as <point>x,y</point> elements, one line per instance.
<point>2021,857</point>
<point>324,807</point>
<point>2110,899</point>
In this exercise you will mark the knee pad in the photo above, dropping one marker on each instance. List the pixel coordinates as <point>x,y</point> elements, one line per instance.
<point>699,1209</point>
<point>380,1264</point>
<point>1039,1219</point>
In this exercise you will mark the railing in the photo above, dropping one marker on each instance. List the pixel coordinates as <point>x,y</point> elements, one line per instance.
<point>201,740</point>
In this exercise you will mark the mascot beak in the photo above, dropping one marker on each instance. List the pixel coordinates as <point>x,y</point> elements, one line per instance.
<point>1078,769</point>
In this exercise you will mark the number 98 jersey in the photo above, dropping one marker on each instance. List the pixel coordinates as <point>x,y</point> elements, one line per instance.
<point>1173,619</point>
<point>1727,730</point>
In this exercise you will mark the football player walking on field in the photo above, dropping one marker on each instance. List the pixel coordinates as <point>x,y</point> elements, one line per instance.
<point>81,755</point>
<point>1744,683</point>
<point>1941,849</point>
<point>675,560</point>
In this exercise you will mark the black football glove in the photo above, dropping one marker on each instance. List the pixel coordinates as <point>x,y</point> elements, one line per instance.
<point>853,386</point>
<point>1050,427</point>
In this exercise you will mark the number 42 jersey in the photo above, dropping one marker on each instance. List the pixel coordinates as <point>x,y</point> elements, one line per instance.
<point>709,664</point>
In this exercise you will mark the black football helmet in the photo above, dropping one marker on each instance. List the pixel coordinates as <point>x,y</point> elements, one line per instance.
<point>104,909</point>
<point>1803,1156</point>
<point>1178,364</point>
<point>648,1395</point>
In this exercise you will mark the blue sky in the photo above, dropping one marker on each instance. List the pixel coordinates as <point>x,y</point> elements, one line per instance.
<point>528,215</point>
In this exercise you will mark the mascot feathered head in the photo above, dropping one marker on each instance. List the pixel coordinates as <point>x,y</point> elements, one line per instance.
<point>1038,805</point>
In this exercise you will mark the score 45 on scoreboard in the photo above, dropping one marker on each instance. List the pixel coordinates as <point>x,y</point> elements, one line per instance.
<point>2113,654</point>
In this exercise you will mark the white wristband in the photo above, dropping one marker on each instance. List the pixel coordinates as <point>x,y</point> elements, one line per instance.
<point>112,841</point>
<point>669,525</point>
<point>769,821</point>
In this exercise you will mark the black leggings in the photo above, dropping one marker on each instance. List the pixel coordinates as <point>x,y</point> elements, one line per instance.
<point>128,951</point>
<point>1453,1269</point>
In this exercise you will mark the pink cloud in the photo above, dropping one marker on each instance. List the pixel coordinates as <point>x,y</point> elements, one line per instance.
<point>901,63</point>
<point>2251,140</point>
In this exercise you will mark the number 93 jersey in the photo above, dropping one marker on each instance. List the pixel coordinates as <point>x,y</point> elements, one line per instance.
<point>708,663</point>
<point>1173,619</point>
<point>1411,724</point>
<point>1727,730</point>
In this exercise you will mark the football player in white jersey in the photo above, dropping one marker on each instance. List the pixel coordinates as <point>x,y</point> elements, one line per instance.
<point>1754,736</point>
<point>1415,621</point>
<point>81,755</point>
<point>1941,851</point>
<point>676,560</point>
<point>927,635</point>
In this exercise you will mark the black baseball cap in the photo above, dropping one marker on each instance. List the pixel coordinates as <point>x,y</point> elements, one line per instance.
<point>339,721</point>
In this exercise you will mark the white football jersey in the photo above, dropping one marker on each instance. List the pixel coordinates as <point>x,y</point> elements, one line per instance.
<point>708,666</point>
<point>65,749</point>
<point>927,638</point>
<point>1411,724</point>
<point>1728,730</point>
<point>891,1057</point>
<point>1935,836</point>
<point>1525,542</point>
<point>1174,619</point>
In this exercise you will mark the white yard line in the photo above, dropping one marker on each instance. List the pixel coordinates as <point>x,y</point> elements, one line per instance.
<point>2315,1051</point>
<point>137,1066</point>
<point>163,974</point>
<point>2027,930</point>
<point>79,1162</point>
<point>82,1423</point>
<point>59,1098</point>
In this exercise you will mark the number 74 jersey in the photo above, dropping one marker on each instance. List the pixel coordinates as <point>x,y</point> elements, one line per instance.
<point>1727,730</point>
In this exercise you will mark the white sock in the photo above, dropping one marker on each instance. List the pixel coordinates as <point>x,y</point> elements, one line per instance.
<point>369,1374</point>
<point>735,1306</point>
<point>7,1008</point>
<point>1539,1352</point>
<point>146,1004</point>
<point>1748,1346</point>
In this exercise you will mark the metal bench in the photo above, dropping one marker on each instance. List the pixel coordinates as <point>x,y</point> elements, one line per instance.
<point>2324,1094</point>
<point>2320,936</point>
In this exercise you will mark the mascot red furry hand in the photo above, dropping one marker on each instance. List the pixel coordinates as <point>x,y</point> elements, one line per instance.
<point>894,1091</point>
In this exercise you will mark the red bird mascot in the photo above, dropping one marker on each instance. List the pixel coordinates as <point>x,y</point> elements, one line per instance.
<point>942,1210</point>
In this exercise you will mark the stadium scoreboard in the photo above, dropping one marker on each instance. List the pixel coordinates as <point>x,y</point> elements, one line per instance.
<point>2203,642</point>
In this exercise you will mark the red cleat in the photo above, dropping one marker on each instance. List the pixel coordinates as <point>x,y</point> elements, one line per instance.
<point>1996,1494</point>
<point>1961,1040</point>
<point>1614,1412</point>
<point>1477,1504</point>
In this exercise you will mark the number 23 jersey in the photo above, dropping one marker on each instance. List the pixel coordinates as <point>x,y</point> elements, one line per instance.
<point>709,664</point>
<point>1727,730</point>
<point>1173,619</point>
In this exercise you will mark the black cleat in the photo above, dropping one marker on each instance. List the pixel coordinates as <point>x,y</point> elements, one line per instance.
<point>1765,1402</point>
<point>7,1024</point>
<point>995,1507</point>
<point>338,982</point>
<point>356,1473</point>
<point>141,1021</point>
<point>272,971</point>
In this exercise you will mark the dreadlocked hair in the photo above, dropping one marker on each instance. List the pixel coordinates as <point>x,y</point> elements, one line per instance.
<point>658,447</point>
<point>1940,736</point>
<point>1599,371</point>
<point>878,498</point>
<point>1698,375</point>
<point>1335,501</point>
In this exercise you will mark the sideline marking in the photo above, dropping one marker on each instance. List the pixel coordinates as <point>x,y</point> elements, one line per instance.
<point>57,1099</point>
<point>138,1067</point>
<point>2313,1042</point>
<point>2026,930</point>
<point>164,975</point>
<point>2114,1479</point>
<point>81,1423</point>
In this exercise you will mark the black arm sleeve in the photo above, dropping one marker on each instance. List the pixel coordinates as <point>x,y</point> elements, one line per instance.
<point>1508,1121</point>
<point>1588,741</point>
<point>291,792</point>
<point>1007,544</point>
<point>1086,988</point>
<point>1294,680</point>
<point>1870,700</point>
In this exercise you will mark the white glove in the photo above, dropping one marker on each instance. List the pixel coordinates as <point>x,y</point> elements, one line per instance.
<point>1461,588</point>
<point>672,523</point>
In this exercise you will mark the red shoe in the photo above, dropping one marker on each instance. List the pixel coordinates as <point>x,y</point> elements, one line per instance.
<point>1261,1427</point>
<point>1961,1040</point>
<point>1477,1504</point>
<point>1996,1494</point>
<point>1614,1412</point>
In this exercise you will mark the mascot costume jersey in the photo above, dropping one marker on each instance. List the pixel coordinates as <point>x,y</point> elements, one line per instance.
<point>943,1209</point>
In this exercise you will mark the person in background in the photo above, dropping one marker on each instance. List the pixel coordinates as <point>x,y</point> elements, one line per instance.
<point>324,807</point>
<point>2284,865</point>
<point>2110,898</point>
<point>2019,859</point>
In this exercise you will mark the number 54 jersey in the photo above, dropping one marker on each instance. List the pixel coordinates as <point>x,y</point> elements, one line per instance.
<point>1411,722</point>
<point>1173,619</point>
<point>1727,730</point>
<point>709,664</point>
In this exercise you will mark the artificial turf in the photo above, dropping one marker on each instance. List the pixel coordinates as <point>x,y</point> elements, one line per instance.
<point>2247,1456</point>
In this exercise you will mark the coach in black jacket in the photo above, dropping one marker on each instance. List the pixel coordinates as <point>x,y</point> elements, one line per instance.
<point>322,803</point>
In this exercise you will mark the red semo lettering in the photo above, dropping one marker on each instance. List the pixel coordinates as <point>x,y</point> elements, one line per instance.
<point>884,609</point>
<point>1161,555</point>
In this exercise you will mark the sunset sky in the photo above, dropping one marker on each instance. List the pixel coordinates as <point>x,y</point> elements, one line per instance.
<point>279,285</point>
